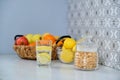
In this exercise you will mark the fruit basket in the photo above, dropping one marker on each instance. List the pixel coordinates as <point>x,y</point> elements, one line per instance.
<point>28,51</point>
<point>67,50</point>
<point>25,52</point>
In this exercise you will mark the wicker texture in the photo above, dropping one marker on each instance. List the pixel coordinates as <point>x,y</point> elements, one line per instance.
<point>29,52</point>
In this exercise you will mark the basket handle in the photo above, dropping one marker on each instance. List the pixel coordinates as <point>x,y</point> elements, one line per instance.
<point>62,37</point>
<point>17,36</point>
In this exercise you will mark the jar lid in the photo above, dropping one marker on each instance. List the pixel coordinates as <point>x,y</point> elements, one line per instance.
<point>87,45</point>
<point>86,48</point>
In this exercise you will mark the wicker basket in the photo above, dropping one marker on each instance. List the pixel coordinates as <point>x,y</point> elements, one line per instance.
<point>29,52</point>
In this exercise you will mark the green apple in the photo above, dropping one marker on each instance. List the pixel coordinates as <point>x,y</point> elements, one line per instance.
<point>36,37</point>
<point>29,37</point>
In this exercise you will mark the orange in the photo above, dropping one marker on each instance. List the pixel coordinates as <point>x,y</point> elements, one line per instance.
<point>44,42</point>
<point>60,43</point>
<point>49,37</point>
<point>32,44</point>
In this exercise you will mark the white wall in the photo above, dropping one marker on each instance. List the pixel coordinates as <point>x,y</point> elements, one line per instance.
<point>30,16</point>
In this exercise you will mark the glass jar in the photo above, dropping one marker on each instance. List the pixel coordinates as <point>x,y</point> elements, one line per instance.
<point>86,56</point>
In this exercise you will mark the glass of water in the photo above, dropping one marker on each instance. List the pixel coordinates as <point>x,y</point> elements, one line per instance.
<point>43,52</point>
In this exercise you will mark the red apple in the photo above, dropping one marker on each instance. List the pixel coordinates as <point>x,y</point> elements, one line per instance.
<point>21,41</point>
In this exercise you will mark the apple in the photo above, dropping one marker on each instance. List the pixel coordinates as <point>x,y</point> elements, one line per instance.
<point>21,41</point>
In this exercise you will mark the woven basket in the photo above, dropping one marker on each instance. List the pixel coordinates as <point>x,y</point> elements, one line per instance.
<point>29,52</point>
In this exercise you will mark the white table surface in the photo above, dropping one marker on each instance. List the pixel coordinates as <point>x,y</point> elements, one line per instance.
<point>14,68</point>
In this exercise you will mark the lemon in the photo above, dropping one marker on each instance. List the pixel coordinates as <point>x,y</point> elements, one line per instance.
<point>45,54</point>
<point>44,58</point>
<point>66,56</point>
<point>69,43</point>
<point>74,48</point>
<point>43,48</point>
<point>63,48</point>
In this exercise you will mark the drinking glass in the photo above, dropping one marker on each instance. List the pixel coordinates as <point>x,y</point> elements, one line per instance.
<point>43,52</point>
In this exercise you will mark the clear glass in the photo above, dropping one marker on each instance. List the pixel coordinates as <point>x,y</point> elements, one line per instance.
<point>86,56</point>
<point>43,52</point>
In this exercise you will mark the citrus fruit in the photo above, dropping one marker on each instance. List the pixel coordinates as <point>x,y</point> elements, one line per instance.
<point>43,48</point>
<point>69,43</point>
<point>74,48</point>
<point>32,44</point>
<point>63,48</point>
<point>66,56</point>
<point>44,58</point>
<point>60,43</point>
<point>49,37</point>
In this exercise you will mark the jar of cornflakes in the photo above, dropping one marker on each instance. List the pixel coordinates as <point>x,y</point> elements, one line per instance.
<point>86,56</point>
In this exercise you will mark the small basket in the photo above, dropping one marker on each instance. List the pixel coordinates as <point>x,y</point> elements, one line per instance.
<point>29,52</point>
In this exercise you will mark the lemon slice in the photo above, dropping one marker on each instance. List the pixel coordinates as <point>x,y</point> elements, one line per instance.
<point>44,58</point>
<point>43,48</point>
<point>44,54</point>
